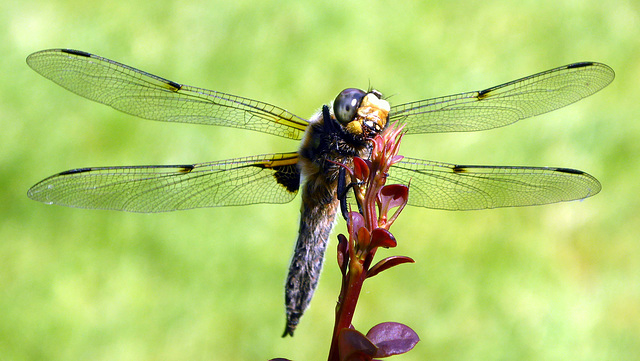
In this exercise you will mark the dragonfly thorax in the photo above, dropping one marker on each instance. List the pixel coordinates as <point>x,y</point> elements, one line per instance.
<point>342,131</point>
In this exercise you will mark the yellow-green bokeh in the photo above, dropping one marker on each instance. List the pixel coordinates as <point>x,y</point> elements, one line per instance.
<point>560,282</point>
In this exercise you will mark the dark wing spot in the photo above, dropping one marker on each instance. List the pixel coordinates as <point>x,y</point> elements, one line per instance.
<point>74,171</point>
<point>175,85</point>
<point>459,169</point>
<point>186,169</point>
<point>76,52</point>
<point>288,176</point>
<point>569,170</point>
<point>482,94</point>
<point>579,65</point>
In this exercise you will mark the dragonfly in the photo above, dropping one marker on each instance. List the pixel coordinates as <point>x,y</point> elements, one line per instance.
<point>334,135</point>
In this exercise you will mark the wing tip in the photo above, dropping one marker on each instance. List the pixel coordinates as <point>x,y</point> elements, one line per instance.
<point>594,186</point>
<point>601,66</point>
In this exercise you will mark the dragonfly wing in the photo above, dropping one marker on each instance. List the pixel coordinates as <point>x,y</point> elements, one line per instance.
<point>272,178</point>
<point>148,96</point>
<point>468,187</point>
<point>504,104</point>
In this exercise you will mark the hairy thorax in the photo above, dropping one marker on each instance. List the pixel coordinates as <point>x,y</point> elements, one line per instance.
<point>329,143</point>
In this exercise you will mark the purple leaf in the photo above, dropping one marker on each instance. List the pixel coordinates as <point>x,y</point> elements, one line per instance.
<point>392,338</point>
<point>353,345</point>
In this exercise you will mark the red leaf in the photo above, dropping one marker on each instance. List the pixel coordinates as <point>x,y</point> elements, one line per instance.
<point>378,146</point>
<point>393,195</point>
<point>356,221</point>
<point>381,237</point>
<point>343,253</point>
<point>395,159</point>
<point>360,168</point>
<point>358,231</point>
<point>387,263</point>
<point>363,237</point>
<point>353,345</point>
<point>392,338</point>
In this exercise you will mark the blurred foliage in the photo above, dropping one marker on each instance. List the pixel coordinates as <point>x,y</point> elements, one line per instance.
<point>556,282</point>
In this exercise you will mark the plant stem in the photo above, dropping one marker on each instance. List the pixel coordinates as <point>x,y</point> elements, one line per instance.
<point>349,294</point>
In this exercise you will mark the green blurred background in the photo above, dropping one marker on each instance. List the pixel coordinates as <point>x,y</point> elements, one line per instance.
<point>559,282</point>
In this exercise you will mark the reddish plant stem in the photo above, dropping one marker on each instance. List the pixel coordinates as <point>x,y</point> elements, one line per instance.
<point>349,294</point>
<point>358,251</point>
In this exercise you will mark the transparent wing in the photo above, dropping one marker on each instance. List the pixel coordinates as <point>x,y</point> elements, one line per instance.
<point>271,178</point>
<point>467,187</point>
<point>504,104</point>
<point>148,96</point>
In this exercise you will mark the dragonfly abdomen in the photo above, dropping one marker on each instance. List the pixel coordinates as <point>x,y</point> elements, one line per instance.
<point>316,222</point>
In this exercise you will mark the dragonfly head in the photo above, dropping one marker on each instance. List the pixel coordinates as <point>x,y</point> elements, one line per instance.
<point>361,114</point>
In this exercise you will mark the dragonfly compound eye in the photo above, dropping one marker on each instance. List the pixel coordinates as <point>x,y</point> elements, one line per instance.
<point>346,104</point>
